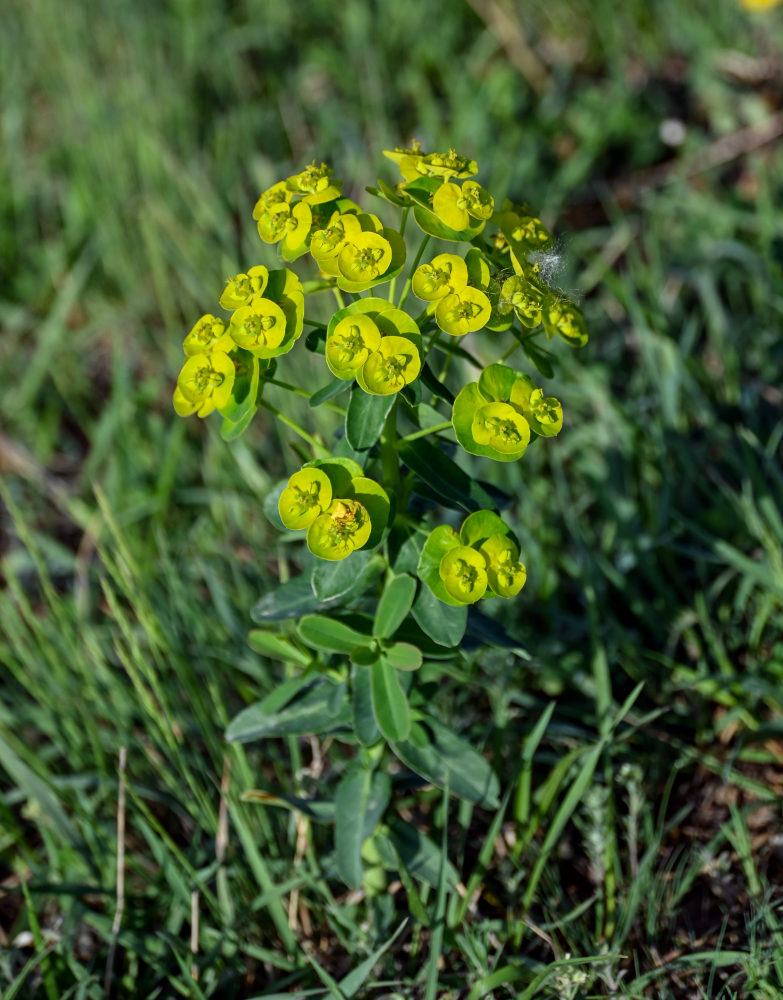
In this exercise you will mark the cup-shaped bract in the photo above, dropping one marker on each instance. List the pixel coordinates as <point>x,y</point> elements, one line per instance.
<point>524,298</point>
<point>543,413</point>
<point>208,334</point>
<point>364,258</point>
<point>506,574</point>
<point>342,529</point>
<point>284,289</point>
<point>463,571</point>
<point>240,288</point>
<point>204,384</point>
<point>446,165</point>
<point>350,344</point>
<point>562,317</point>
<point>307,495</point>
<point>314,184</point>
<point>445,273</point>
<point>395,364</point>
<point>463,312</point>
<point>259,326</point>
<point>455,205</point>
<point>500,427</point>
<point>326,243</point>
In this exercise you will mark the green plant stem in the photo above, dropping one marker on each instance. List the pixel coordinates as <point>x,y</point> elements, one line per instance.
<point>388,442</point>
<point>509,352</point>
<point>432,341</point>
<point>315,323</point>
<point>339,296</point>
<point>414,265</point>
<point>313,442</point>
<point>436,429</point>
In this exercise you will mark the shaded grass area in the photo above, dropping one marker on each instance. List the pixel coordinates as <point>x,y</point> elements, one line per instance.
<point>641,832</point>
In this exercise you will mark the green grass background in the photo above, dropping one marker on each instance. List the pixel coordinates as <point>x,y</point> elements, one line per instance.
<point>134,141</point>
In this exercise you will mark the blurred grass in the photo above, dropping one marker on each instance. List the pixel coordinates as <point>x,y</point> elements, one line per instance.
<point>134,142</point>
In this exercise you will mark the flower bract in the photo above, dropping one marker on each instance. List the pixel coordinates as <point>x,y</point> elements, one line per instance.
<point>506,574</point>
<point>259,326</point>
<point>208,334</point>
<point>350,344</point>
<point>464,574</point>
<point>307,495</point>
<point>241,288</point>
<point>562,317</point>
<point>343,528</point>
<point>365,257</point>
<point>444,274</point>
<point>396,363</point>
<point>205,382</point>
<point>463,312</point>
<point>502,428</point>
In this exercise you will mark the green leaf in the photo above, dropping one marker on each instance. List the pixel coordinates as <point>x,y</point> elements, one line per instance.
<point>376,502</point>
<point>394,605</point>
<point>364,724</point>
<point>420,855</point>
<point>287,600</point>
<point>322,709</point>
<point>440,541</point>
<point>540,357</point>
<point>270,505</point>
<point>350,804</point>
<point>242,405</point>
<point>329,634</point>
<point>355,979</point>
<point>477,527</point>
<point>403,656</point>
<point>346,578</point>
<point>277,647</point>
<point>360,802</point>
<point>389,704</point>
<point>365,417</point>
<point>329,391</point>
<point>431,382</point>
<point>455,488</point>
<point>230,431</point>
<point>436,753</point>
<point>443,623</point>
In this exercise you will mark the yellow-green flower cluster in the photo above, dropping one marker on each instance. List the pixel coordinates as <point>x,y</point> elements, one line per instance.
<point>376,344</point>
<point>494,416</point>
<point>341,509</point>
<point>267,317</point>
<point>358,250</point>
<point>459,307</point>
<point>481,560</point>
<point>285,213</point>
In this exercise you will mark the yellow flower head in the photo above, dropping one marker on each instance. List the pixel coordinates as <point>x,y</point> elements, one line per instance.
<point>351,343</point>
<point>463,312</point>
<point>208,334</point>
<point>204,384</point>
<point>367,256</point>
<point>444,274</point>
<point>259,326</point>
<point>241,288</point>
<point>501,427</point>
<point>395,363</point>
<point>343,528</point>
<point>464,574</point>
<point>307,495</point>
<point>505,572</point>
